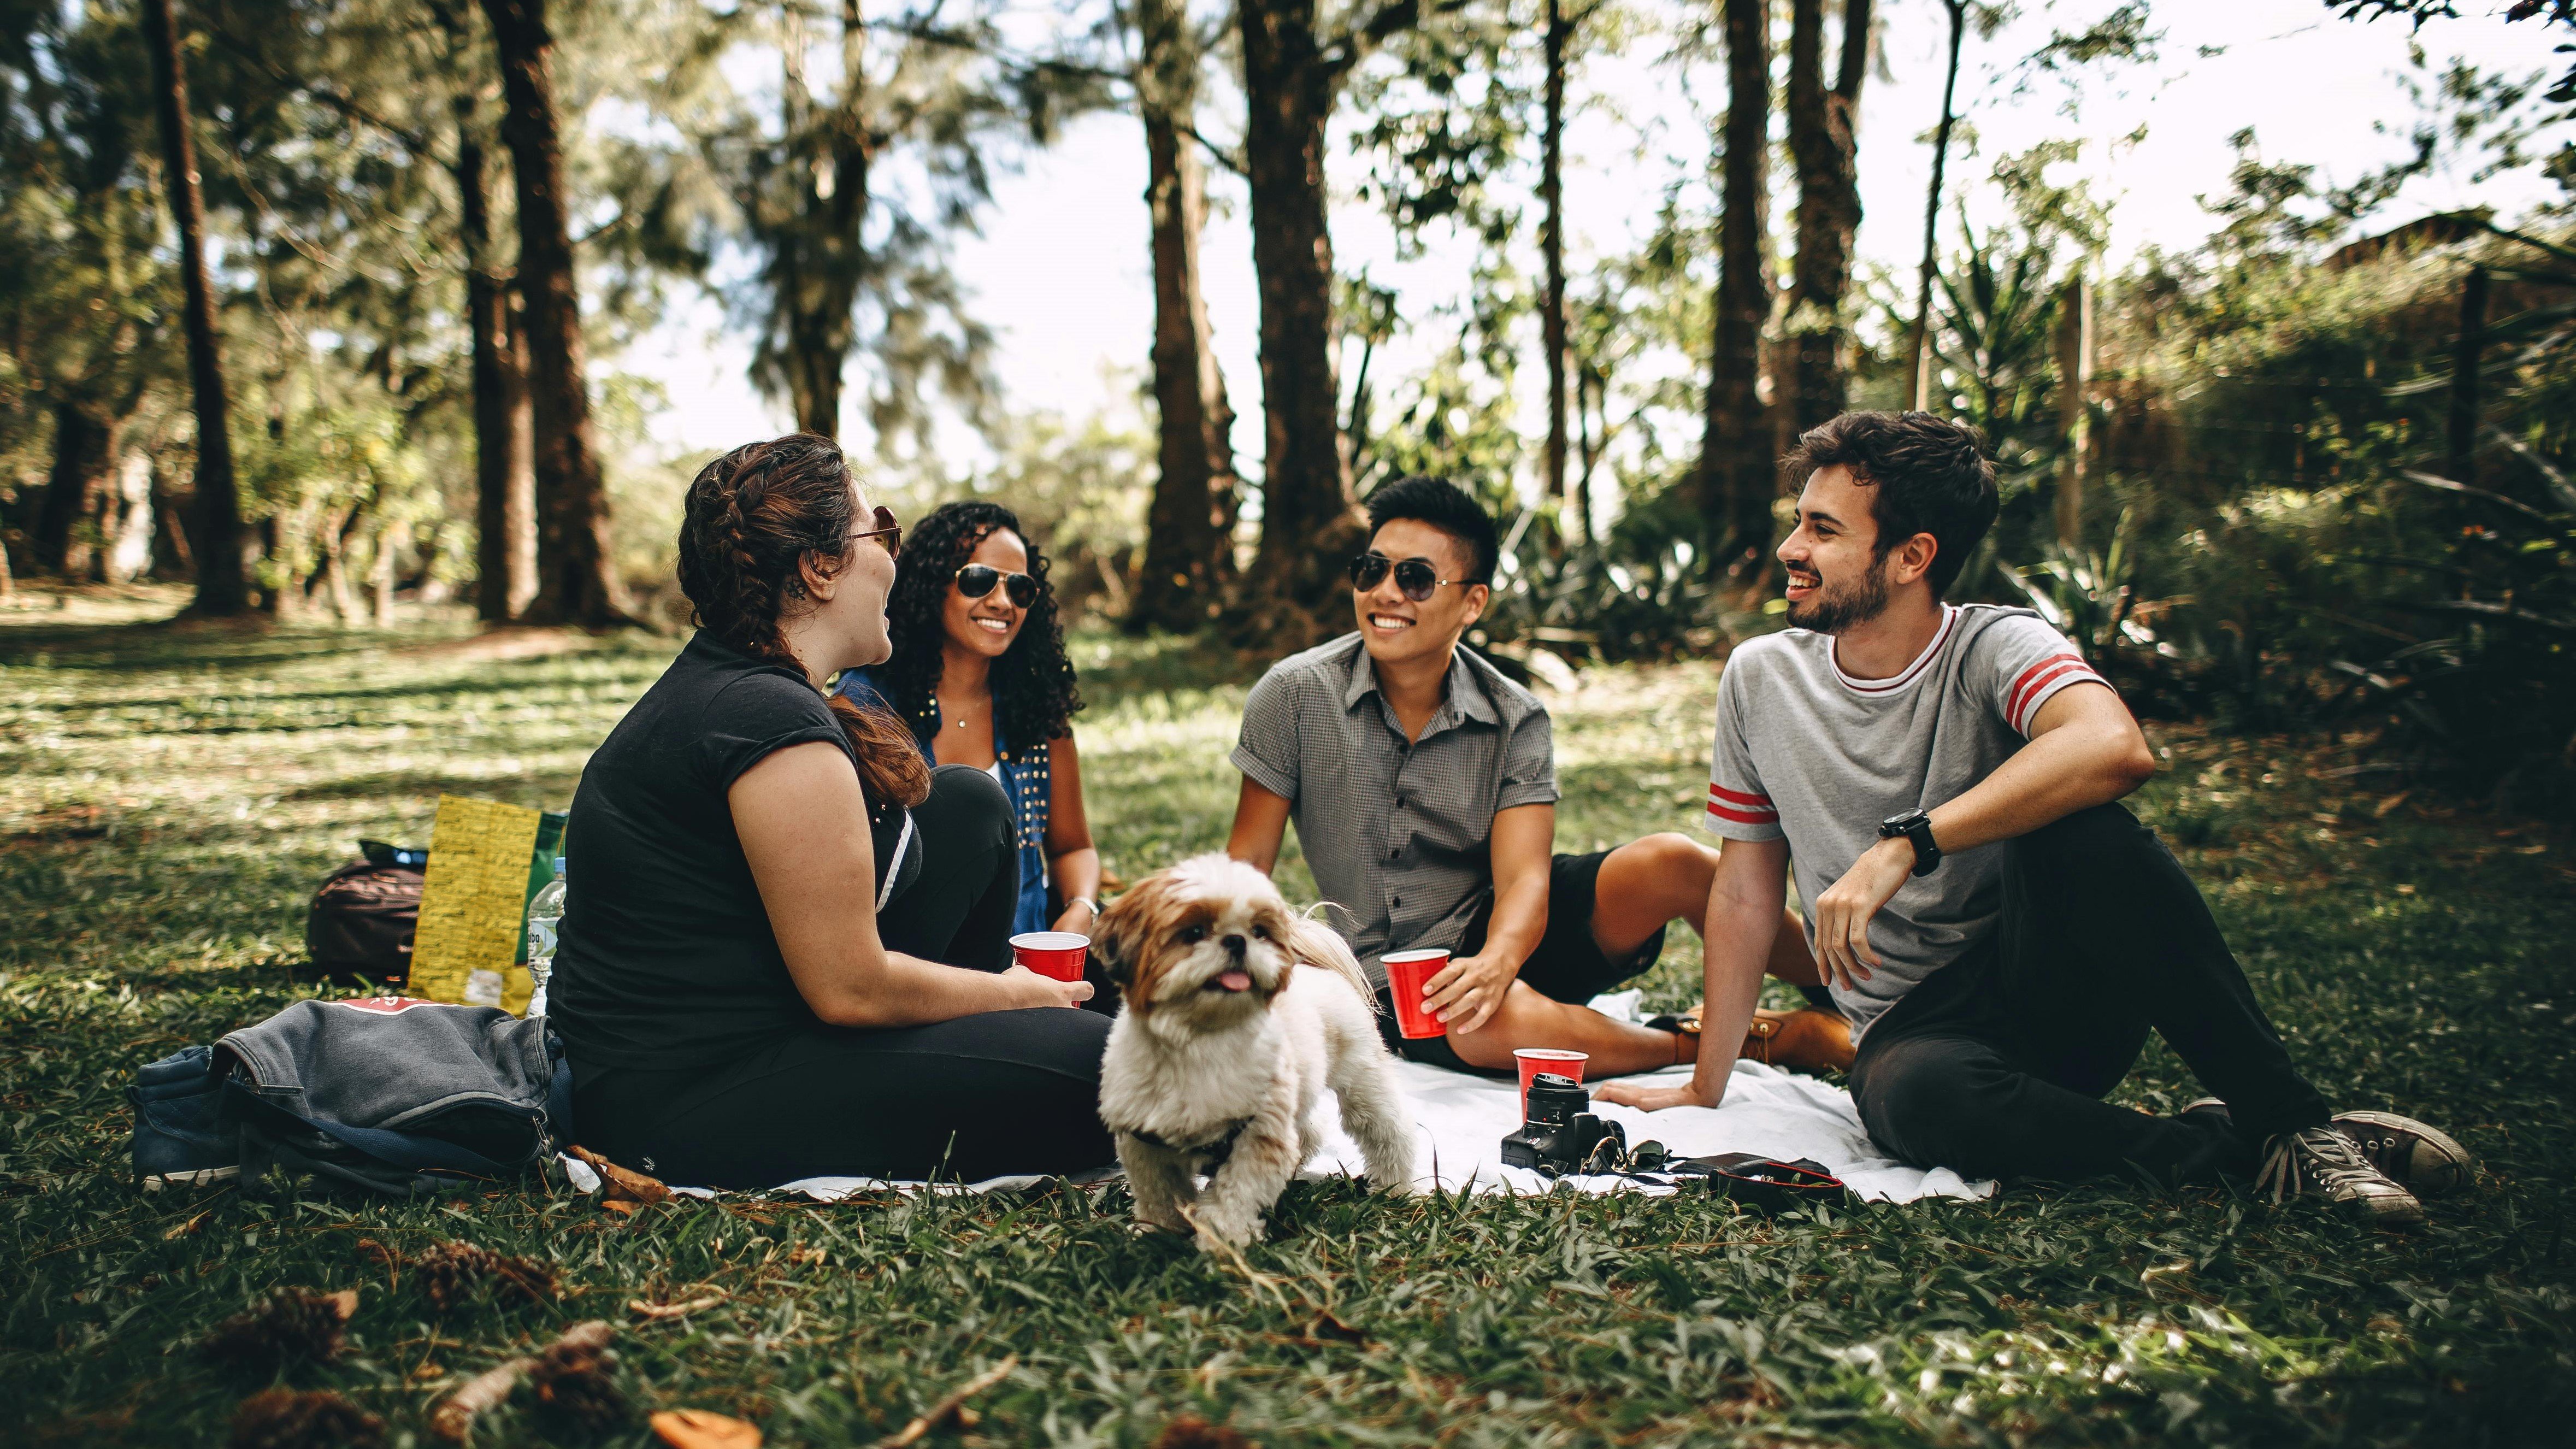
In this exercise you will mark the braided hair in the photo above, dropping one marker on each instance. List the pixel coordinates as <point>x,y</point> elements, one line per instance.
<point>752,519</point>
<point>1034,694</point>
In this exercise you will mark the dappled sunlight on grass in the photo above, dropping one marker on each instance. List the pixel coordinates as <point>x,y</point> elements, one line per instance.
<point>170,795</point>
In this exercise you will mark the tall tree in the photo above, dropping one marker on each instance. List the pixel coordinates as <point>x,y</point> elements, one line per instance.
<point>808,218</point>
<point>577,581</point>
<point>1824,144</point>
<point>222,588</point>
<point>1918,337</point>
<point>1189,545</point>
<point>1551,193</point>
<point>1736,473</point>
<point>505,473</point>
<point>1292,73</point>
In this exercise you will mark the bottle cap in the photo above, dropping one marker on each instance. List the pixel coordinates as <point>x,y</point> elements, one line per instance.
<point>559,865</point>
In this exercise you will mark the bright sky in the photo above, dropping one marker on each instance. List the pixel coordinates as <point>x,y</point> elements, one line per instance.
<point>1061,271</point>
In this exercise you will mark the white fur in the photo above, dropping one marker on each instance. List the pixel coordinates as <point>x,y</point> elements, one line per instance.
<point>1186,1060</point>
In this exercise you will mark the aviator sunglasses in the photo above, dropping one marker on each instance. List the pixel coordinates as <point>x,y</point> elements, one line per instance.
<point>1414,576</point>
<point>977,580</point>
<point>887,532</point>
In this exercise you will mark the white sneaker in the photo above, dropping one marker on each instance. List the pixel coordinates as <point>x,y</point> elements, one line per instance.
<point>2323,1162</point>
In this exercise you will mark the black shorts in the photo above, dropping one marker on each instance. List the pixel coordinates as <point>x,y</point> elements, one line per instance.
<point>1567,966</point>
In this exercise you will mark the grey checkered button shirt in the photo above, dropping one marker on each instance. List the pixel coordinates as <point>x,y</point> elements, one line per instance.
<point>1399,835</point>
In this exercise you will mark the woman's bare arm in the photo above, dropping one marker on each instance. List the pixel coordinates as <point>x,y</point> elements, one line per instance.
<point>1073,863</point>
<point>804,827</point>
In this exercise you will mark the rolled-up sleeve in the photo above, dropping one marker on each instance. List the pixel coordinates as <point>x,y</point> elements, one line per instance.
<point>1266,748</point>
<point>1529,764</point>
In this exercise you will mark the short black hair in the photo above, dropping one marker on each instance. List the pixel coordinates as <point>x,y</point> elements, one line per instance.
<point>1447,507</point>
<point>1928,475</point>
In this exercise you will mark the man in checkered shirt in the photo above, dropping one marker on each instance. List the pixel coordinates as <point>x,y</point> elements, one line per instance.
<point>1423,786</point>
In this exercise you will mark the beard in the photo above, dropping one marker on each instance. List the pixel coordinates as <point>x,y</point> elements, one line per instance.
<point>1834,610</point>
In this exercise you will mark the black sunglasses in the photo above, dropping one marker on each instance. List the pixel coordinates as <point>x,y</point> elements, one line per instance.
<point>1415,576</point>
<point>887,532</point>
<point>977,580</point>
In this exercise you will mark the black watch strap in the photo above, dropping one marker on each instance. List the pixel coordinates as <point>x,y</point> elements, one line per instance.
<point>1916,827</point>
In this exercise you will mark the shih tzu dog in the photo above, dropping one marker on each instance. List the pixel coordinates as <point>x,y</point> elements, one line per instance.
<point>1238,1014</point>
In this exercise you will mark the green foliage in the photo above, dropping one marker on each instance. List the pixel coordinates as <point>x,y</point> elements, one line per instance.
<point>169,794</point>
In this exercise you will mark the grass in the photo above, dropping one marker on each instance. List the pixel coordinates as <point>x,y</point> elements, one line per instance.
<point>170,793</point>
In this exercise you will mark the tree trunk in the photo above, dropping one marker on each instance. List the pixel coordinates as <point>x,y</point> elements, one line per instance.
<point>505,477</point>
<point>577,580</point>
<point>2074,415</point>
<point>1918,338</point>
<point>1551,193</point>
<point>1825,145</point>
<point>84,451</point>
<point>127,551</point>
<point>1736,467</point>
<point>171,558</point>
<point>1307,519</point>
<point>2462,460</point>
<point>1189,543</point>
<point>222,588</point>
<point>817,260</point>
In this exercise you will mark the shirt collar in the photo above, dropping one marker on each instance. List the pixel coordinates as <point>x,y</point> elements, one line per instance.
<point>1466,693</point>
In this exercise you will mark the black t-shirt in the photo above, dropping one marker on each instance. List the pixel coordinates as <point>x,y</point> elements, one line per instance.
<point>667,959</point>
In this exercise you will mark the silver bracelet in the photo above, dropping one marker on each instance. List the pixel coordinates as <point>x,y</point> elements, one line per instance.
<point>1072,901</point>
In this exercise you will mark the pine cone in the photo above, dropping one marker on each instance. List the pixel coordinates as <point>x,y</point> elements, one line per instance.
<point>289,1327</point>
<point>1189,1431</point>
<point>572,1383</point>
<point>450,1272</point>
<point>288,1419</point>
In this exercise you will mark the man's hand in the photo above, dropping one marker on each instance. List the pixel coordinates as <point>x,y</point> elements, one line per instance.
<point>1843,912</point>
<point>1652,1099</point>
<point>1464,994</point>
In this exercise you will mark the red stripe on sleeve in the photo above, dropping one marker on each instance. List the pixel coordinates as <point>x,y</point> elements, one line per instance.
<point>1744,817</point>
<point>1738,797</point>
<point>2071,673</point>
<point>2029,678</point>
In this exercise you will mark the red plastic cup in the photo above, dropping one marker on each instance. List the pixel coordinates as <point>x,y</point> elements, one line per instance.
<point>1407,973</point>
<point>1059,954</point>
<point>1534,1060</point>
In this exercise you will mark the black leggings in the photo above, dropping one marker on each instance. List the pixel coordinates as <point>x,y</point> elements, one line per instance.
<point>990,1095</point>
<point>1996,1064</point>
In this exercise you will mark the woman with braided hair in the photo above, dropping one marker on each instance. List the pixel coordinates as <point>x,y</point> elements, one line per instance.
<point>786,949</point>
<point>980,674</point>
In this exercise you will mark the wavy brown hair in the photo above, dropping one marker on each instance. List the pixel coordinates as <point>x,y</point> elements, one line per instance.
<point>753,518</point>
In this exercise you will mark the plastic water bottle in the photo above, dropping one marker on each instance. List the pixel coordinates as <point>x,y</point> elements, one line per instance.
<point>545,918</point>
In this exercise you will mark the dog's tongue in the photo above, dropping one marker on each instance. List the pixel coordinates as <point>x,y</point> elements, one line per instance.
<point>1236,981</point>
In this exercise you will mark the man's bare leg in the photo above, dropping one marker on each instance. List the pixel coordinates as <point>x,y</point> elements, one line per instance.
<point>1644,886</point>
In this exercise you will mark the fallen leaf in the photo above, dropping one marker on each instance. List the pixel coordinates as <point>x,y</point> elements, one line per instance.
<point>624,1184</point>
<point>2380,810</point>
<point>619,1206</point>
<point>1327,1326</point>
<point>704,1429</point>
<point>190,1226</point>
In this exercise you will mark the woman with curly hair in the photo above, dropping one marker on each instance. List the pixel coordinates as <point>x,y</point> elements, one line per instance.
<point>786,953</point>
<point>979,672</point>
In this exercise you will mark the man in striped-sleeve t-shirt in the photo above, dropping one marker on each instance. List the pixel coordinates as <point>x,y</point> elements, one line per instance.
<point>2002,935</point>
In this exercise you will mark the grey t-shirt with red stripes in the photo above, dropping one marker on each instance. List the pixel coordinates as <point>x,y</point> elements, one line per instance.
<point>1807,752</point>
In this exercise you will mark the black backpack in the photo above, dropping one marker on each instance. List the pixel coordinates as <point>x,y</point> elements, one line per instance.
<point>360,927</point>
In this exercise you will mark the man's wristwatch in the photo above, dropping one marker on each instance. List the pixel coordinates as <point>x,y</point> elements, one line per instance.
<point>1916,827</point>
<point>1085,901</point>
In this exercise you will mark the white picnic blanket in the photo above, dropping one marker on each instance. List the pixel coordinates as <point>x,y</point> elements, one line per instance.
<point>1462,1120</point>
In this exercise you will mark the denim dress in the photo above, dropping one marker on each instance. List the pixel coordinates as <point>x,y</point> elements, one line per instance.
<point>1027,781</point>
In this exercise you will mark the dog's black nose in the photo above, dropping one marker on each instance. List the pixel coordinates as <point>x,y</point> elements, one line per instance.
<point>1233,946</point>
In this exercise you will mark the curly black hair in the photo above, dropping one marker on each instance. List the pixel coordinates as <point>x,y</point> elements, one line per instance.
<point>1034,692</point>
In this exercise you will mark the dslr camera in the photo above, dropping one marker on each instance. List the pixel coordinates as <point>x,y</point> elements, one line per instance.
<point>1560,1136</point>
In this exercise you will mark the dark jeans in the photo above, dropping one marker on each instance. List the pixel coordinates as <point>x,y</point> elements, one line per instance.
<point>982,1096</point>
<point>1995,1066</point>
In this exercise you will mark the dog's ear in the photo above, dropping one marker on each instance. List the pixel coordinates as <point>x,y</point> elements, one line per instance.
<point>1117,935</point>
